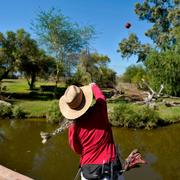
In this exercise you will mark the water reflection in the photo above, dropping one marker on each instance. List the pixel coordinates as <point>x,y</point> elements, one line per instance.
<point>22,150</point>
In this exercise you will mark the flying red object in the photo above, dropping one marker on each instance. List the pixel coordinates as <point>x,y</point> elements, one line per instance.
<point>127,25</point>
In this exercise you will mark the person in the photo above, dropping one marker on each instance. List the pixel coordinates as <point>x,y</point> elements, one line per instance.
<point>90,133</point>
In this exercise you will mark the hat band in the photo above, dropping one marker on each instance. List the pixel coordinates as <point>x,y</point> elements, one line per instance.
<point>76,101</point>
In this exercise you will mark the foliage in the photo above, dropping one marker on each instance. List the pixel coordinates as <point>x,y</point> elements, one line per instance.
<point>106,77</point>
<point>132,46</point>
<point>62,38</point>
<point>134,74</point>
<point>7,53</point>
<point>18,112</point>
<point>53,113</point>
<point>162,60</point>
<point>19,52</point>
<point>80,78</point>
<point>5,111</point>
<point>164,69</point>
<point>30,59</point>
<point>164,16</point>
<point>125,115</point>
<point>93,68</point>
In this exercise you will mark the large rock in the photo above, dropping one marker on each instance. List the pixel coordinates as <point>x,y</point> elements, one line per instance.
<point>4,103</point>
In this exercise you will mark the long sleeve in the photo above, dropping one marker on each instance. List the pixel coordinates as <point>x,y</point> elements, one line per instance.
<point>97,92</point>
<point>73,140</point>
<point>100,102</point>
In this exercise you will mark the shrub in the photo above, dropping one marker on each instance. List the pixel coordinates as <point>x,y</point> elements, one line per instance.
<point>134,74</point>
<point>5,111</point>
<point>81,77</point>
<point>18,112</point>
<point>126,116</point>
<point>53,114</point>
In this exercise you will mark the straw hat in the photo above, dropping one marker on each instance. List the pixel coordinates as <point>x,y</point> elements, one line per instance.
<point>75,101</point>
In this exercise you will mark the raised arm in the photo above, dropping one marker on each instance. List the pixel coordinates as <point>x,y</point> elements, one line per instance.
<point>98,94</point>
<point>100,103</point>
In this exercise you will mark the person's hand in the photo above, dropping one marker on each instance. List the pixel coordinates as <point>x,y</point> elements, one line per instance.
<point>133,160</point>
<point>93,83</point>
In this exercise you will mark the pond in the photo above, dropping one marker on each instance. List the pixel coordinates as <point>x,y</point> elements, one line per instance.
<point>21,150</point>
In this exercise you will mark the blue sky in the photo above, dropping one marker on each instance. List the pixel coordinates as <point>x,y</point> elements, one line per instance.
<point>107,16</point>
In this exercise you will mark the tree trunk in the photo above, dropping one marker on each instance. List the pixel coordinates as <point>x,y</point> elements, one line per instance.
<point>4,75</point>
<point>33,79</point>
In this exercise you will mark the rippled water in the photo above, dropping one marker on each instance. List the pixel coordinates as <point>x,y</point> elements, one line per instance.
<point>21,150</point>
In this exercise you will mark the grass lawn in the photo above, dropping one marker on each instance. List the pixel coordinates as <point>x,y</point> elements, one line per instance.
<point>16,85</point>
<point>169,113</point>
<point>37,105</point>
<point>34,108</point>
<point>21,85</point>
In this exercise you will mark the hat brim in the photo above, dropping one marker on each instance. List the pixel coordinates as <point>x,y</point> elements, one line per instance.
<point>71,114</point>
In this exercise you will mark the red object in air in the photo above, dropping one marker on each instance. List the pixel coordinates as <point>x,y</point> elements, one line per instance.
<point>128,25</point>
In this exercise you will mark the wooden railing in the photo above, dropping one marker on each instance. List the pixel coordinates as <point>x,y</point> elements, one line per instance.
<point>7,174</point>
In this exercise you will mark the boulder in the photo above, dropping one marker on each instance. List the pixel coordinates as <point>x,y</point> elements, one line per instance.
<point>4,103</point>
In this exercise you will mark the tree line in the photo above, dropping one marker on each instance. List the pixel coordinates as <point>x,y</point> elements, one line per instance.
<point>61,49</point>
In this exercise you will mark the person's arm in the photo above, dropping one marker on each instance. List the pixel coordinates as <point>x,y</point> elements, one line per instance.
<point>98,94</point>
<point>100,102</point>
<point>73,140</point>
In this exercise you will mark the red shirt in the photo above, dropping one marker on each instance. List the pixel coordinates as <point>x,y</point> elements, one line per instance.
<point>91,135</point>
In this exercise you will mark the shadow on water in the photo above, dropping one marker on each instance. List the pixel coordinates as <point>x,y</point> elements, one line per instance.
<point>24,152</point>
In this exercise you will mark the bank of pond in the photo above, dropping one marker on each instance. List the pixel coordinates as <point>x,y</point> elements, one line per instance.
<point>21,150</point>
<point>121,113</point>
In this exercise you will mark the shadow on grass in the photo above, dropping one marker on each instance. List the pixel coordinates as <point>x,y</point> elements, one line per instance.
<point>35,94</point>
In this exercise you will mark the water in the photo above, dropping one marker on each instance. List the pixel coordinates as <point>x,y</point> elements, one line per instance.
<point>21,150</point>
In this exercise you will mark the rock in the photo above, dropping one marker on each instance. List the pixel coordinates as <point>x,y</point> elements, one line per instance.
<point>4,103</point>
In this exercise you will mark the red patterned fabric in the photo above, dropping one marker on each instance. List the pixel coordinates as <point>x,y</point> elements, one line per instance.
<point>91,135</point>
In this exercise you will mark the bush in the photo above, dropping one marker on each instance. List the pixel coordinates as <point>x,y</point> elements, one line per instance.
<point>125,115</point>
<point>80,78</point>
<point>54,115</point>
<point>163,68</point>
<point>134,74</point>
<point>5,111</point>
<point>18,112</point>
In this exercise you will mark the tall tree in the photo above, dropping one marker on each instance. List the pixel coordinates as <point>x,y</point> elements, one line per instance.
<point>162,59</point>
<point>164,16</point>
<point>134,74</point>
<point>93,68</point>
<point>31,61</point>
<point>61,38</point>
<point>7,53</point>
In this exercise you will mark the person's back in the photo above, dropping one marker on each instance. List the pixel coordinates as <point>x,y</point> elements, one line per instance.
<point>93,134</point>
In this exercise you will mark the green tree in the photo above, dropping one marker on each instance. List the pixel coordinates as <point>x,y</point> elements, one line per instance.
<point>164,17</point>
<point>93,68</point>
<point>31,61</point>
<point>162,61</point>
<point>163,68</point>
<point>7,53</point>
<point>134,74</point>
<point>61,38</point>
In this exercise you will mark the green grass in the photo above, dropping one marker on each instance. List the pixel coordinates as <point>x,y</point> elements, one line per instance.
<point>171,114</point>
<point>16,85</point>
<point>34,108</point>
<point>37,105</point>
<point>168,114</point>
<point>21,85</point>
